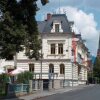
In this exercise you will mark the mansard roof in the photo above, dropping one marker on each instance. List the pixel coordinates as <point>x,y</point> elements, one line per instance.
<point>46,26</point>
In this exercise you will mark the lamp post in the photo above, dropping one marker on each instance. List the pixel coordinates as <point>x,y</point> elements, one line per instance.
<point>15,61</point>
<point>41,59</point>
<point>92,74</point>
<point>41,65</point>
<point>72,61</point>
<point>41,81</point>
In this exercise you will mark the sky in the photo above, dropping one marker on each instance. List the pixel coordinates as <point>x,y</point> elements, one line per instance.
<point>84,13</point>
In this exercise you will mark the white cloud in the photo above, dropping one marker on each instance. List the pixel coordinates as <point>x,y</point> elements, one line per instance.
<point>85,24</point>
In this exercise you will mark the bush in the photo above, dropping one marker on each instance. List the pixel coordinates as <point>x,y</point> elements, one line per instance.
<point>4,78</point>
<point>24,77</point>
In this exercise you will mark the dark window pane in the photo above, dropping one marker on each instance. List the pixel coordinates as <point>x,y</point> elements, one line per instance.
<point>31,67</point>
<point>56,27</point>
<point>60,48</point>
<point>62,69</point>
<point>51,68</point>
<point>52,48</point>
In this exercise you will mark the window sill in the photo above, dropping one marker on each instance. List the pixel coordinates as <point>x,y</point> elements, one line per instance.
<point>61,75</point>
<point>56,55</point>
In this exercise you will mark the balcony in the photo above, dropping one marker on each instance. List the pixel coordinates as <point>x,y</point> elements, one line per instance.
<point>45,75</point>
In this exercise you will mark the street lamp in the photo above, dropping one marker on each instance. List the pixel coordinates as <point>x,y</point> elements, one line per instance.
<point>41,64</point>
<point>72,61</point>
<point>41,52</point>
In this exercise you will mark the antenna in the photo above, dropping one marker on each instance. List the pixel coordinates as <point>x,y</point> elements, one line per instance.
<point>64,11</point>
<point>59,6</point>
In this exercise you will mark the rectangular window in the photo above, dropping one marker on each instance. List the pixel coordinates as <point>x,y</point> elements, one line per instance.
<point>56,27</point>
<point>60,48</point>
<point>31,67</point>
<point>72,52</point>
<point>52,48</point>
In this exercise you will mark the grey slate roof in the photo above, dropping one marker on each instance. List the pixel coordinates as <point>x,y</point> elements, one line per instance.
<point>46,26</point>
<point>41,25</point>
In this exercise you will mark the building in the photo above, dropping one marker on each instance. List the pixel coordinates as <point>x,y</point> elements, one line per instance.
<point>64,54</point>
<point>98,52</point>
<point>82,59</point>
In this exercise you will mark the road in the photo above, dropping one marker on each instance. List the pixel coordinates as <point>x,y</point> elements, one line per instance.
<point>89,93</point>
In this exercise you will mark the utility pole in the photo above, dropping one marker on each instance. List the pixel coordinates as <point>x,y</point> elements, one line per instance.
<point>92,74</point>
<point>72,74</point>
<point>41,58</point>
<point>41,81</point>
<point>59,6</point>
<point>15,61</point>
<point>72,61</point>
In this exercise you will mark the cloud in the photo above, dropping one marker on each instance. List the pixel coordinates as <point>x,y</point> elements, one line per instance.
<point>84,24</point>
<point>54,4</point>
<point>95,4</point>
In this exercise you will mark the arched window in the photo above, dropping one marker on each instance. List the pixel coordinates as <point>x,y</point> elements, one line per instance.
<point>51,68</point>
<point>62,69</point>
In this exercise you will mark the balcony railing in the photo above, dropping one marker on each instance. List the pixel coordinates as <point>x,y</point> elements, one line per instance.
<point>45,75</point>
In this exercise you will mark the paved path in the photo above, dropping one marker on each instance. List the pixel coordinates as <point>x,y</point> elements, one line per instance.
<point>89,93</point>
<point>48,93</point>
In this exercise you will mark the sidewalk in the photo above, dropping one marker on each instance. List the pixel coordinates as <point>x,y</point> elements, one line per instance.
<point>48,93</point>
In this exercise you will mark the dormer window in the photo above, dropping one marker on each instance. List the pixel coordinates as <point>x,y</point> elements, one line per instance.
<point>56,27</point>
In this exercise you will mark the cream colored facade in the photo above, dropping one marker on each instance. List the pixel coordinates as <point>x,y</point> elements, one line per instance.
<point>73,75</point>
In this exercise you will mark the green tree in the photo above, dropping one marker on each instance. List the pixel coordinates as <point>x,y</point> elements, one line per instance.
<point>96,69</point>
<point>18,28</point>
<point>12,32</point>
<point>4,78</point>
<point>24,77</point>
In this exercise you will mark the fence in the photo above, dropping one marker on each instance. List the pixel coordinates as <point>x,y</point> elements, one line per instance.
<point>20,89</point>
<point>45,75</point>
<point>34,86</point>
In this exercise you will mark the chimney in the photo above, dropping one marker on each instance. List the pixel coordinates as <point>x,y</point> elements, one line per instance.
<point>49,16</point>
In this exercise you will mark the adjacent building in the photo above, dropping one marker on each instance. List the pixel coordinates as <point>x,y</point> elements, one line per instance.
<point>98,52</point>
